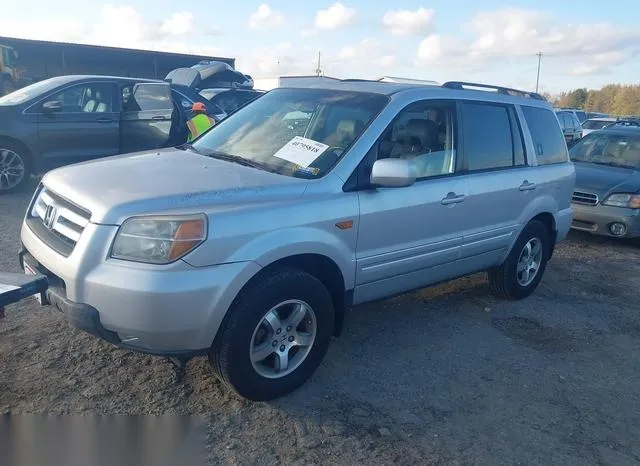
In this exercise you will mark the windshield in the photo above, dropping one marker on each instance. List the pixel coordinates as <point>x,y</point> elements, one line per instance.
<point>32,91</point>
<point>294,132</point>
<point>596,124</point>
<point>616,150</point>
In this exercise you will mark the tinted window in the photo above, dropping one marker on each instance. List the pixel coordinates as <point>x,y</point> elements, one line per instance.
<point>548,140</point>
<point>487,136</point>
<point>424,134</point>
<point>581,116</point>
<point>149,97</point>
<point>86,98</point>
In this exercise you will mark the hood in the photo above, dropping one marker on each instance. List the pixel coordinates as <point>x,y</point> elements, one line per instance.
<point>208,74</point>
<point>163,181</point>
<point>604,180</point>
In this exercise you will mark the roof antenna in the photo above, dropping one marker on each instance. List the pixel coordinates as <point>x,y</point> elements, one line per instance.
<point>319,69</point>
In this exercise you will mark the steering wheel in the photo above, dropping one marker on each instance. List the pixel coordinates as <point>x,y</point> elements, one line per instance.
<point>336,150</point>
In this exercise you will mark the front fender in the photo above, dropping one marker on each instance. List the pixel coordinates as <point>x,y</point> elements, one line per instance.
<point>280,244</point>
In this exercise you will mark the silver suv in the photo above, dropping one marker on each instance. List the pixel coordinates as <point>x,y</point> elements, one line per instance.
<point>251,244</point>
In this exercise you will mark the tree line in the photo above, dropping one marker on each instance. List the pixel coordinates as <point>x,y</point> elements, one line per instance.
<point>613,99</point>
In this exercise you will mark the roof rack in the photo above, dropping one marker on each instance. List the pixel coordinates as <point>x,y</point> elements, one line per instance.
<point>460,85</point>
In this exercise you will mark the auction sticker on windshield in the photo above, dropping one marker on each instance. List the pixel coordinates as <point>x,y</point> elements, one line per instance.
<point>301,151</point>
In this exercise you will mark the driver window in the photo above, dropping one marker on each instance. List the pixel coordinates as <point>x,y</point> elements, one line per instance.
<point>424,134</point>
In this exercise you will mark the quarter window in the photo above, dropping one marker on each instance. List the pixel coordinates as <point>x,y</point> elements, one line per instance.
<point>424,134</point>
<point>548,141</point>
<point>488,141</point>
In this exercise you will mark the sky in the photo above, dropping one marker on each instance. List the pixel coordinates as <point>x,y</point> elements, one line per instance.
<point>584,44</point>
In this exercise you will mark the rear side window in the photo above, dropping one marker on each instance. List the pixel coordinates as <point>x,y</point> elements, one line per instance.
<point>548,140</point>
<point>149,97</point>
<point>488,141</point>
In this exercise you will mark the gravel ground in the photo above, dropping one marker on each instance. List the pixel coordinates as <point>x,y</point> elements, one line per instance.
<point>446,375</point>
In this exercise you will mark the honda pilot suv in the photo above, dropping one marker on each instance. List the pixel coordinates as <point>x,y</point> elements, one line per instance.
<point>251,244</point>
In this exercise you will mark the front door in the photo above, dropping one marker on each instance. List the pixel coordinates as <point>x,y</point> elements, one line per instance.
<point>80,122</point>
<point>410,237</point>
<point>147,117</point>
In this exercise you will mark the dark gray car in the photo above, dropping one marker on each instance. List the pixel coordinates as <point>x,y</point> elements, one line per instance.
<point>606,200</point>
<point>571,127</point>
<point>70,119</point>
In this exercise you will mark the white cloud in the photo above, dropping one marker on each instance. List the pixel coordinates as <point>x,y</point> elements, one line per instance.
<point>335,17</point>
<point>430,49</point>
<point>179,24</point>
<point>369,55</point>
<point>283,59</point>
<point>407,22</point>
<point>171,34</point>
<point>512,36</point>
<point>265,17</point>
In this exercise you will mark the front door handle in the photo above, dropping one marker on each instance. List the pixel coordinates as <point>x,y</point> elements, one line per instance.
<point>453,198</point>
<point>526,186</point>
<point>105,120</point>
<point>162,118</point>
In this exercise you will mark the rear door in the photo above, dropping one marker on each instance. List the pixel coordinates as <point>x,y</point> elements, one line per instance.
<point>79,122</point>
<point>147,116</point>
<point>500,182</point>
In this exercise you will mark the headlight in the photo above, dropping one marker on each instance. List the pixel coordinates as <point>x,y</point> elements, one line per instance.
<point>623,200</point>
<point>159,240</point>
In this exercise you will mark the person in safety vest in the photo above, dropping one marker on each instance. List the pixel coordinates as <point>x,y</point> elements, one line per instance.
<point>200,121</point>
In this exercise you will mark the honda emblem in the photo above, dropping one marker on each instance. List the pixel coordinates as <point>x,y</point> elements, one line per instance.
<point>49,217</point>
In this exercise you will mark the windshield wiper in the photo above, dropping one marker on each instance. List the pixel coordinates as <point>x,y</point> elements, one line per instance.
<point>613,164</point>
<point>237,159</point>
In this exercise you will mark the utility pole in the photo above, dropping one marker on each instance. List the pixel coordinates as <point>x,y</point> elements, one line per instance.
<point>539,54</point>
<point>319,69</point>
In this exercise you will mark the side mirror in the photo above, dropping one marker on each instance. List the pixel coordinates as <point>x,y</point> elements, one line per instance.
<point>393,173</point>
<point>52,106</point>
<point>15,54</point>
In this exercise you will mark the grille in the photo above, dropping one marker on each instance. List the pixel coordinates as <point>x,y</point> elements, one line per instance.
<point>580,197</point>
<point>58,222</point>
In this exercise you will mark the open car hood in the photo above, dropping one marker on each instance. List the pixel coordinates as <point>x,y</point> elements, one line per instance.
<point>209,74</point>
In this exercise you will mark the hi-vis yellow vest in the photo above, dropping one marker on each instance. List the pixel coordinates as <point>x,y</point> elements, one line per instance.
<point>198,125</point>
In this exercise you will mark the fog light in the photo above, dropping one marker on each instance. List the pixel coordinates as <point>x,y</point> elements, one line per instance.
<point>617,229</point>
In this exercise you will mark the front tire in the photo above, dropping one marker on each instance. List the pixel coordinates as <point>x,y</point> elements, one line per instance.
<point>14,167</point>
<point>521,273</point>
<point>275,335</point>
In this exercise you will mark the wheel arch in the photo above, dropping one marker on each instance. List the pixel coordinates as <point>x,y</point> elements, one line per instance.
<point>324,269</point>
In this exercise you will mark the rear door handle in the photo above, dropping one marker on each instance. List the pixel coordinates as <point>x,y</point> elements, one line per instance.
<point>453,198</point>
<point>526,186</point>
<point>162,118</point>
<point>105,120</point>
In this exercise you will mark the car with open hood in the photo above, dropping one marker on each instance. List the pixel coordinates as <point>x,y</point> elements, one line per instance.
<point>70,119</point>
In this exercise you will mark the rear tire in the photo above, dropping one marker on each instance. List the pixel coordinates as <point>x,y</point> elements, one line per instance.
<point>275,335</point>
<point>521,273</point>
<point>15,167</point>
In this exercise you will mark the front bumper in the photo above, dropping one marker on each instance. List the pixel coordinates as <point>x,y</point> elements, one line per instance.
<point>596,219</point>
<point>166,310</point>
